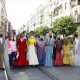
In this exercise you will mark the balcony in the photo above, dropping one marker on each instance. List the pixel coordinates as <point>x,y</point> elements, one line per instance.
<point>73,3</point>
<point>77,19</point>
<point>78,2</point>
<point>58,10</point>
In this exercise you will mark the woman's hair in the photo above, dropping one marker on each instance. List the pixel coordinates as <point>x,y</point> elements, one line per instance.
<point>41,39</point>
<point>55,37</point>
<point>9,37</point>
<point>69,40</point>
<point>58,38</point>
<point>13,39</point>
<point>75,35</point>
<point>21,35</point>
<point>1,35</point>
<point>65,42</point>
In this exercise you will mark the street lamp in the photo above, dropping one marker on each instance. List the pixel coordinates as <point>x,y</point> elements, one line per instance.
<point>41,20</point>
<point>51,16</point>
<point>34,25</point>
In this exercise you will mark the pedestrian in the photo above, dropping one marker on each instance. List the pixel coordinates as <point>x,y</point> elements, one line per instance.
<point>13,54</point>
<point>9,51</point>
<point>41,51</point>
<point>58,56</point>
<point>49,51</point>
<point>31,54</point>
<point>67,55</point>
<point>21,51</point>
<point>14,35</point>
<point>2,41</point>
<point>25,35</point>
<point>77,50</point>
<point>54,49</point>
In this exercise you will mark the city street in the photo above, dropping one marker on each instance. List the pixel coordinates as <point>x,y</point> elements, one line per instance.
<point>44,32</point>
<point>2,75</point>
<point>63,73</point>
<point>32,73</point>
<point>40,73</point>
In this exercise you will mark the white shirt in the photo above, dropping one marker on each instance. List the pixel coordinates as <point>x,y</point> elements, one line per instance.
<point>13,46</point>
<point>76,44</point>
<point>1,40</point>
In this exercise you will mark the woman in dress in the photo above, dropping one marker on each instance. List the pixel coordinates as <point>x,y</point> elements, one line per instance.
<point>31,54</point>
<point>67,55</point>
<point>49,51</point>
<point>77,50</point>
<point>1,51</point>
<point>41,51</point>
<point>58,55</point>
<point>21,48</point>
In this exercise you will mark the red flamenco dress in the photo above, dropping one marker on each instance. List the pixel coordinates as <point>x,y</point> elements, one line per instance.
<point>58,56</point>
<point>22,47</point>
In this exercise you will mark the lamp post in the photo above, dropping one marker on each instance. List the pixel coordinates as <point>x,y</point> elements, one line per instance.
<point>34,25</point>
<point>41,20</point>
<point>27,28</point>
<point>51,17</point>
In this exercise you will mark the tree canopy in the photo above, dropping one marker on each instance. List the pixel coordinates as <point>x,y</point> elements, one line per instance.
<point>65,25</point>
<point>42,30</point>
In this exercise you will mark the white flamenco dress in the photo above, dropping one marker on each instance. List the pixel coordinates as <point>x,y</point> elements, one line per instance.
<point>31,54</point>
<point>77,52</point>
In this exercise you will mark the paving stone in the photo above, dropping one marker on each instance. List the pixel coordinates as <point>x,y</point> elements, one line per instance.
<point>2,75</point>
<point>64,73</point>
<point>27,74</point>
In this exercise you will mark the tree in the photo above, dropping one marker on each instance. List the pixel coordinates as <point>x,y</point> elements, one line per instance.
<point>42,30</point>
<point>65,25</point>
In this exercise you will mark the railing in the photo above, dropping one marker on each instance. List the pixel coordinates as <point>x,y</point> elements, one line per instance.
<point>73,3</point>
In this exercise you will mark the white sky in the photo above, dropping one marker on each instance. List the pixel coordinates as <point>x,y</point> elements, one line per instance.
<point>19,11</point>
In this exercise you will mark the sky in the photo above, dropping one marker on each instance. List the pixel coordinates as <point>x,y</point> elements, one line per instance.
<point>20,11</point>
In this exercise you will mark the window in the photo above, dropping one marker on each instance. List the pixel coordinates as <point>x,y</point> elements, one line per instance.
<point>78,2</point>
<point>75,12</point>
<point>73,3</point>
<point>54,3</point>
<point>65,5</point>
<point>79,18</point>
<point>2,23</point>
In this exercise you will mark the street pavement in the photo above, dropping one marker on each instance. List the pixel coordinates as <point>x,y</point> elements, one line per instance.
<point>32,73</point>
<point>27,73</point>
<point>2,75</point>
<point>64,73</point>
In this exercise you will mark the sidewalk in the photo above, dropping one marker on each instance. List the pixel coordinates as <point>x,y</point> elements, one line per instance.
<point>2,75</point>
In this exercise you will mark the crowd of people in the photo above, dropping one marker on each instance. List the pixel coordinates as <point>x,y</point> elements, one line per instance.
<point>49,50</point>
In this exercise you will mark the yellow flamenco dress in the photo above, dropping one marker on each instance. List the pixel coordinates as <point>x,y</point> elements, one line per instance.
<point>67,55</point>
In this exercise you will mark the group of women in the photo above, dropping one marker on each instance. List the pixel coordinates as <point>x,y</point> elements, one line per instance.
<point>39,51</point>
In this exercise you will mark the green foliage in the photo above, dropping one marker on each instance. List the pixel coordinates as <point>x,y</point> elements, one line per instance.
<point>78,30</point>
<point>65,25</point>
<point>42,30</point>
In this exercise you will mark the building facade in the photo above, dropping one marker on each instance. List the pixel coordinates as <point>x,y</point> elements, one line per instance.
<point>52,10</point>
<point>3,18</point>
